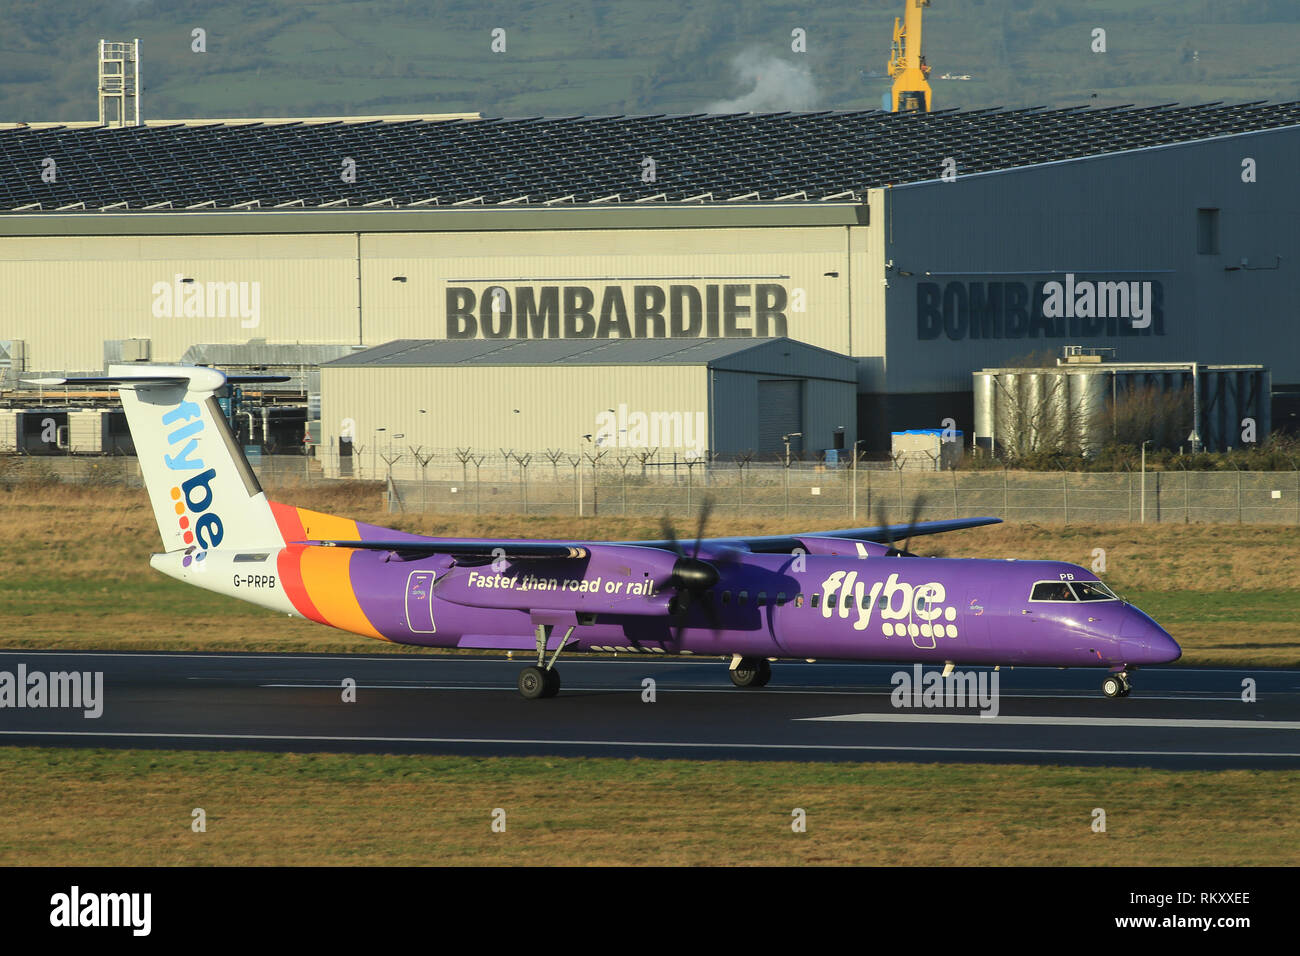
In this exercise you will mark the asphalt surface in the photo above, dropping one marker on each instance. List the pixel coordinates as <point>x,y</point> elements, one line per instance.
<point>1176,717</point>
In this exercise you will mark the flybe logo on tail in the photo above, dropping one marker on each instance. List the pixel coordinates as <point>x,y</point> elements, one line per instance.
<point>200,526</point>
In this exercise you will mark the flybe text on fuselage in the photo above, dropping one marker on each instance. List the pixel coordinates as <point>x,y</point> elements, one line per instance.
<point>917,611</point>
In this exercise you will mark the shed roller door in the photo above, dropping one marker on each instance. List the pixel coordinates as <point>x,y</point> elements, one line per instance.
<point>780,412</point>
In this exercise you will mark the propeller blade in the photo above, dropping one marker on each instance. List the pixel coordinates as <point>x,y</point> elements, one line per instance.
<point>706,511</point>
<point>670,534</point>
<point>918,505</point>
<point>692,576</point>
<point>882,519</point>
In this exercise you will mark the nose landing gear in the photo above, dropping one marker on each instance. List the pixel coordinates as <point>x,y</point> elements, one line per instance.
<point>1116,685</point>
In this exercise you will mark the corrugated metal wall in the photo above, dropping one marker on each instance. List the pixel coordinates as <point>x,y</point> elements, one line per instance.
<point>528,409</point>
<point>1130,216</point>
<point>67,296</point>
<point>406,276</point>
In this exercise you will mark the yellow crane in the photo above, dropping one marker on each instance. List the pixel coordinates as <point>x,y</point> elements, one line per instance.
<point>911,92</point>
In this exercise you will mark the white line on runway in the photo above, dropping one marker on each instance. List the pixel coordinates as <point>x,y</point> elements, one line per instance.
<point>697,690</point>
<point>645,743</point>
<point>1190,723</point>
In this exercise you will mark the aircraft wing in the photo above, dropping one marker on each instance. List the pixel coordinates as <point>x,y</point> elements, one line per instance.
<point>784,543</point>
<point>476,549</point>
<point>759,544</point>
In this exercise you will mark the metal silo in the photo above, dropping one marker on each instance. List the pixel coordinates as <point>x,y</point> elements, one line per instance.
<point>1088,394</point>
<point>1033,421</point>
<point>986,405</point>
<point>1006,421</point>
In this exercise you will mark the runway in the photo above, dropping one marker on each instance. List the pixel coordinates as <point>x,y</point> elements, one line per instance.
<point>1176,718</point>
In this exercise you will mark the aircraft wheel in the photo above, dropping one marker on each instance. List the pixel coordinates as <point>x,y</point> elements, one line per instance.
<point>533,683</point>
<point>1114,686</point>
<point>552,682</point>
<point>751,672</point>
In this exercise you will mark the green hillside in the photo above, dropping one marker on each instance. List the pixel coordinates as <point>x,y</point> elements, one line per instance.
<point>330,57</point>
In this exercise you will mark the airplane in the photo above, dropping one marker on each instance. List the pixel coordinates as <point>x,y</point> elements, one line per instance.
<point>851,594</point>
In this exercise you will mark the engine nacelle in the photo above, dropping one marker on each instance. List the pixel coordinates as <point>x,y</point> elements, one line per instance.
<point>848,547</point>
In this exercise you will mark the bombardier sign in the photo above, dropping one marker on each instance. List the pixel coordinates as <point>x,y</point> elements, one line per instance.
<point>1069,308</point>
<point>729,310</point>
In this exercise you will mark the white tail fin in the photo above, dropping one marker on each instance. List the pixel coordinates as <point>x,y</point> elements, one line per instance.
<point>203,491</point>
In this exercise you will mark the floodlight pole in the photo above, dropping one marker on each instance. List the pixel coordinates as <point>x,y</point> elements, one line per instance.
<point>1142,508</point>
<point>855,477</point>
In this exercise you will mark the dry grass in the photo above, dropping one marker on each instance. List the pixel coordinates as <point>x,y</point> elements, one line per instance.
<point>103,807</point>
<point>74,566</point>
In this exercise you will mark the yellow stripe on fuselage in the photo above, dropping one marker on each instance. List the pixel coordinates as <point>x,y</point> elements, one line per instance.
<point>323,527</point>
<point>326,576</point>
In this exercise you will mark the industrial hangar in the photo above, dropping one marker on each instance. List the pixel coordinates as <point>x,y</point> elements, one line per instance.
<point>922,247</point>
<point>684,396</point>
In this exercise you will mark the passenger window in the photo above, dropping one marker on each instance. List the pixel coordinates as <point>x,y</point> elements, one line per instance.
<point>762,597</point>
<point>816,598</point>
<point>1052,591</point>
<point>726,597</point>
<point>866,600</point>
<point>743,597</point>
<point>798,600</point>
<point>780,599</point>
<point>848,600</point>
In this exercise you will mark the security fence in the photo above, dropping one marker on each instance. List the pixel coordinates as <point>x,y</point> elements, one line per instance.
<point>871,492</point>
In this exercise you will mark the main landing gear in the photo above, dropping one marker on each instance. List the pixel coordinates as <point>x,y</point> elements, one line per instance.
<point>750,671</point>
<point>542,679</point>
<point>1116,685</point>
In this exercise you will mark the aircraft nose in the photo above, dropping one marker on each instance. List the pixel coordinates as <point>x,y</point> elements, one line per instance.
<point>1146,642</point>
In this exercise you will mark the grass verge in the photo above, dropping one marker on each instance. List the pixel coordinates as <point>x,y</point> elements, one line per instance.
<point>91,807</point>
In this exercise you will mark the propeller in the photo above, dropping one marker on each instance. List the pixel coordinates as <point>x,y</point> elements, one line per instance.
<point>918,505</point>
<point>691,575</point>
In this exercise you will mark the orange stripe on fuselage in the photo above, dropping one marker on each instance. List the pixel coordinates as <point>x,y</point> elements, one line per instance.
<point>323,527</point>
<point>290,568</point>
<point>318,580</point>
<point>290,561</point>
<point>326,575</point>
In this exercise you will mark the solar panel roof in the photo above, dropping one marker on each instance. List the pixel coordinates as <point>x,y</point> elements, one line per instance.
<point>763,156</point>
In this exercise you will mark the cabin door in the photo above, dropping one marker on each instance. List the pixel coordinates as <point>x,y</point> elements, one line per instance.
<point>419,602</point>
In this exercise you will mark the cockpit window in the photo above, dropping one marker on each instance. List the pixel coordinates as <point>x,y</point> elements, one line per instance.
<point>1093,591</point>
<point>1052,591</point>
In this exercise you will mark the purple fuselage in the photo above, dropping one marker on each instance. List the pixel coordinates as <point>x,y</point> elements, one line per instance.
<point>963,611</point>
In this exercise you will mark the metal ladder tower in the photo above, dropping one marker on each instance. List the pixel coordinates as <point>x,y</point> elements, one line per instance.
<point>119,83</point>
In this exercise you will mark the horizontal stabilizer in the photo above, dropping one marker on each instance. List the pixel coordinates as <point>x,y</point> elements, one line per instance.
<point>200,376</point>
<point>105,380</point>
